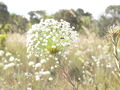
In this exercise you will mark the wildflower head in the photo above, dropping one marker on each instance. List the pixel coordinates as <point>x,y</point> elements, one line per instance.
<point>50,36</point>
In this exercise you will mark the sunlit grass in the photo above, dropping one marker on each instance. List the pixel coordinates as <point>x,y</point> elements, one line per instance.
<point>89,65</point>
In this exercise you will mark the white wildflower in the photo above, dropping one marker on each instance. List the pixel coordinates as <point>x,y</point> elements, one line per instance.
<point>31,63</point>
<point>56,58</point>
<point>1,52</point>
<point>49,38</point>
<point>29,88</point>
<point>8,54</point>
<point>8,65</point>
<point>79,79</point>
<point>42,61</point>
<point>108,66</point>
<point>56,66</point>
<point>37,77</point>
<point>44,72</point>
<point>57,62</point>
<point>49,34</point>
<point>11,58</point>
<point>52,67</point>
<point>50,78</point>
<point>37,65</point>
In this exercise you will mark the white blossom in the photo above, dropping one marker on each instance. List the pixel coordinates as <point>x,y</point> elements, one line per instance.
<point>50,78</point>
<point>44,72</point>
<point>31,63</point>
<point>37,77</point>
<point>43,61</point>
<point>11,58</point>
<point>8,54</point>
<point>51,35</point>
<point>29,88</point>
<point>37,65</point>
<point>1,52</point>
<point>8,65</point>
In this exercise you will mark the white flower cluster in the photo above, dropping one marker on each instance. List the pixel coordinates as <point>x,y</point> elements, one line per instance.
<point>49,36</point>
<point>46,39</point>
<point>8,60</point>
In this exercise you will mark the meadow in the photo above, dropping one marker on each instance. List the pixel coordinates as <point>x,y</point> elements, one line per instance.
<point>87,65</point>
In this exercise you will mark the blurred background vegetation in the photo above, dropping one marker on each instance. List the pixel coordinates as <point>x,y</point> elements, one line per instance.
<point>76,18</point>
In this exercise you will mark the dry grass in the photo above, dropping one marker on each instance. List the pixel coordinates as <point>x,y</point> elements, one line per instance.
<point>92,53</point>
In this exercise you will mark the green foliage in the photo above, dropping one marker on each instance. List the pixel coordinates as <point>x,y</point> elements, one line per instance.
<point>36,16</point>
<point>4,29</point>
<point>110,17</point>
<point>113,10</point>
<point>4,14</point>
<point>72,16</point>
<point>2,40</point>
<point>67,15</point>
<point>19,23</point>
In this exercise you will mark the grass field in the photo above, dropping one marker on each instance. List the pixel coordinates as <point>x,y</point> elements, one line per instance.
<point>90,65</point>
